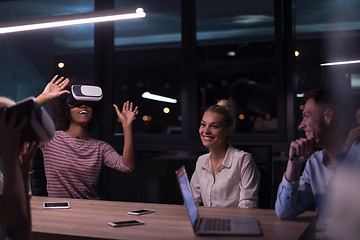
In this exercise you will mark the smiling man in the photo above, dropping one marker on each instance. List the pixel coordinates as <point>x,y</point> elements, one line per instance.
<point>325,124</point>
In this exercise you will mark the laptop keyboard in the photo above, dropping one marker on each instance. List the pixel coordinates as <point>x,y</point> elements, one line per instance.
<point>217,224</point>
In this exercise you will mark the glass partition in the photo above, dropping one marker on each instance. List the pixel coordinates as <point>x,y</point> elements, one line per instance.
<point>147,65</point>
<point>327,37</point>
<point>28,60</point>
<point>237,61</point>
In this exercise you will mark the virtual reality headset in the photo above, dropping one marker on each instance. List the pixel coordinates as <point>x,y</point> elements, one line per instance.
<point>39,127</point>
<point>84,94</point>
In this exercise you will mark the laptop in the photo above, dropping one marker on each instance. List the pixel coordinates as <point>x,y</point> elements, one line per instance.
<point>213,226</point>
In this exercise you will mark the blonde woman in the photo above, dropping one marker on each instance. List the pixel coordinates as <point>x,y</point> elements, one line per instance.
<point>224,177</point>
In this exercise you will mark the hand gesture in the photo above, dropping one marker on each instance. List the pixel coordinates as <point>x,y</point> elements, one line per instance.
<point>26,158</point>
<point>300,150</point>
<point>10,143</point>
<point>351,137</point>
<point>127,116</point>
<point>10,135</point>
<point>53,89</point>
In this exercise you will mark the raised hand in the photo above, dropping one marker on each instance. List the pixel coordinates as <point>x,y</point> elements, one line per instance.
<point>351,137</point>
<point>53,89</point>
<point>127,115</point>
<point>26,157</point>
<point>10,135</point>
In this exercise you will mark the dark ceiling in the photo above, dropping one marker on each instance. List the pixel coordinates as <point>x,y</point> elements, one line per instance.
<point>216,20</point>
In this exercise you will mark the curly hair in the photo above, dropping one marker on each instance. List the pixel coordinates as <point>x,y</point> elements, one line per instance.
<point>61,110</point>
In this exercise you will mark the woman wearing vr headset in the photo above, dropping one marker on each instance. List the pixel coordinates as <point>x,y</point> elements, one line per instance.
<point>16,160</point>
<point>72,159</point>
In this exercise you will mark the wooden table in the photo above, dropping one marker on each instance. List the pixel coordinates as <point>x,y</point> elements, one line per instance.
<point>87,219</point>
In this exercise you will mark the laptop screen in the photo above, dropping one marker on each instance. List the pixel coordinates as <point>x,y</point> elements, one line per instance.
<point>187,194</point>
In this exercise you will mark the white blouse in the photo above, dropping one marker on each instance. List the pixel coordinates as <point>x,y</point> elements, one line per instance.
<point>236,182</point>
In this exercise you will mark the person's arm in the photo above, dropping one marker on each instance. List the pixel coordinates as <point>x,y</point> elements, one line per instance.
<point>26,158</point>
<point>14,201</point>
<point>195,187</point>
<point>53,89</point>
<point>290,202</point>
<point>12,198</point>
<point>351,137</point>
<point>250,183</point>
<point>300,151</point>
<point>126,117</point>
<point>293,198</point>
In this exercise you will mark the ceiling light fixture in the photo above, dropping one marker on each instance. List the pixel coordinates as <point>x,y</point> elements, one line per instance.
<point>73,19</point>
<point>231,53</point>
<point>155,97</point>
<point>339,63</point>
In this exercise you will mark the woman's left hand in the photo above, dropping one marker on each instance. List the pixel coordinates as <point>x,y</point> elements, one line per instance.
<point>127,115</point>
<point>26,156</point>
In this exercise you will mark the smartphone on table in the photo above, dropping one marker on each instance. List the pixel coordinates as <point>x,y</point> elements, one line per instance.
<point>141,211</point>
<point>126,223</point>
<point>52,205</point>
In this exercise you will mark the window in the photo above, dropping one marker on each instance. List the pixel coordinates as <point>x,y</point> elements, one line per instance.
<point>28,60</point>
<point>237,61</point>
<point>148,59</point>
<point>326,32</point>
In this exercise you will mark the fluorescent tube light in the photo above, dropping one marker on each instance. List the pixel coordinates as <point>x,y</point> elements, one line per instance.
<point>339,63</point>
<point>74,19</point>
<point>155,97</point>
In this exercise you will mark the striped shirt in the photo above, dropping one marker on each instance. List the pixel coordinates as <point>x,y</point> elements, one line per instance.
<point>72,166</point>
